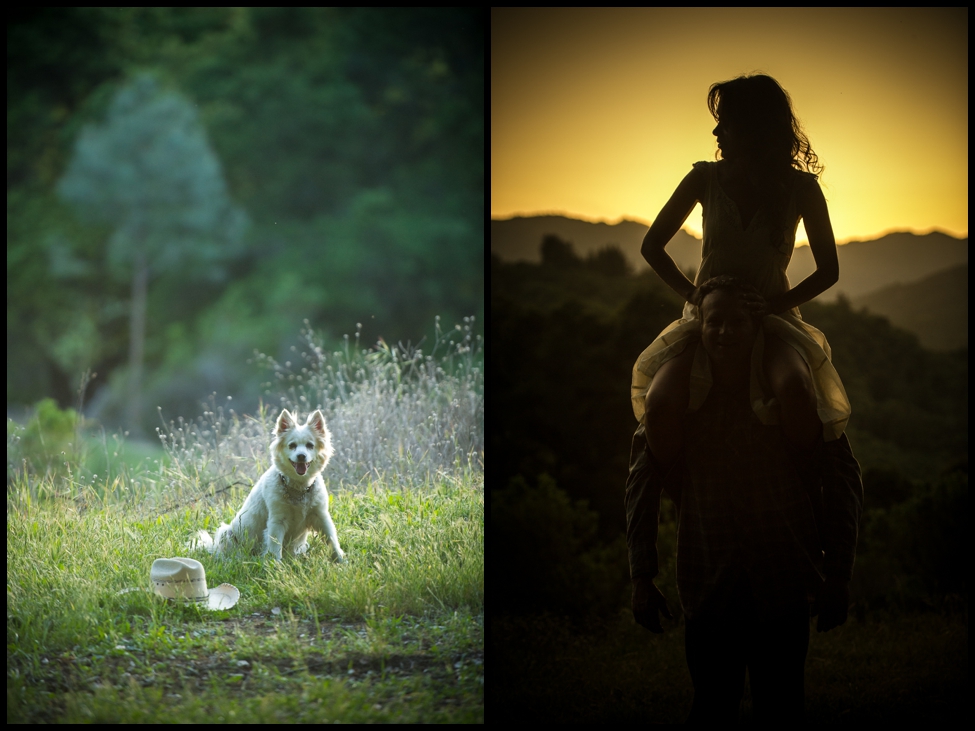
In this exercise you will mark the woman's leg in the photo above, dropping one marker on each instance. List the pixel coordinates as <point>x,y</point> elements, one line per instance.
<point>788,375</point>
<point>666,404</point>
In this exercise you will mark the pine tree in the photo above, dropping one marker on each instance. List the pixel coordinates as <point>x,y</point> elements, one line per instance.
<point>149,171</point>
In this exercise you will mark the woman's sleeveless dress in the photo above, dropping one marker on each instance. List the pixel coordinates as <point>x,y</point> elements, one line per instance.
<point>748,254</point>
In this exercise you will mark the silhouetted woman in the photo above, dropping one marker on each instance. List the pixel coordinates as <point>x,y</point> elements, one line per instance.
<point>753,198</point>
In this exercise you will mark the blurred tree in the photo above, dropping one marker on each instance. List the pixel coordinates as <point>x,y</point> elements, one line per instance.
<point>558,253</point>
<point>609,260</point>
<point>353,137</point>
<point>150,172</point>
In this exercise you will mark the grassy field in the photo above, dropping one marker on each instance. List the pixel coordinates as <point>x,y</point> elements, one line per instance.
<point>396,634</point>
<point>911,669</point>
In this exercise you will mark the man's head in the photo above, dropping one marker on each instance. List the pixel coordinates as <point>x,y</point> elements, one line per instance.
<point>728,328</point>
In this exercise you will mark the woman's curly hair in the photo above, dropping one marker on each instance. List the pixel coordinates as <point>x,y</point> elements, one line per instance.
<point>773,144</point>
<point>760,113</point>
<point>723,281</point>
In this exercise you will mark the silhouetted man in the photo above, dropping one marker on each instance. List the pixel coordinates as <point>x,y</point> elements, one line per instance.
<point>764,533</point>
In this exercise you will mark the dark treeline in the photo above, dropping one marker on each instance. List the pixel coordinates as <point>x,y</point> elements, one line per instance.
<point>565,336</point>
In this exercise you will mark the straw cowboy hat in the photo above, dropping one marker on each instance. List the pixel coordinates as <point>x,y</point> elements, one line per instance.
<point>184,578</point>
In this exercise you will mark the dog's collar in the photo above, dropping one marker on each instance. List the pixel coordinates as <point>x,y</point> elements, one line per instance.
<point>293,494</point>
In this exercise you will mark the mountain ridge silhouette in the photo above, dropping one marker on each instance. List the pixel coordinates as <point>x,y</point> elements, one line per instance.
<point>934,307</point>
<point>865,265</point>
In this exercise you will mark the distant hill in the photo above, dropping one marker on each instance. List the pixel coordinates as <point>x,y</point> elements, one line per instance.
<point>865,266</point>
<point>519,239</point>
<point>902,257</point>
<point>935,307</point>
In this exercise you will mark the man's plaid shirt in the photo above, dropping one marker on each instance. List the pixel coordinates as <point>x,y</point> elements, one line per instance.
<point>747,507</point>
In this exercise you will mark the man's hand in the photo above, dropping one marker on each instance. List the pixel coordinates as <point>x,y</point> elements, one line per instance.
<point>647,601</point>
<point>832,604</point>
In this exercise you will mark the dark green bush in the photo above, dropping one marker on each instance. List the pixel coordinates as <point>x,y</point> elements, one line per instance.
<point>549,555</point>
<point>913,554</point>
<point>49,433</point>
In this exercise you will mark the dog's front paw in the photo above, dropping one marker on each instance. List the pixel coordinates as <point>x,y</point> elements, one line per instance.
<point>340,556</point>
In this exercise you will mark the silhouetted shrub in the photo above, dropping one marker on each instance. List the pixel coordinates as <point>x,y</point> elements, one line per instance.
<point>914,554</point>
<point>558,253</point>
<point>610,261</point>
<point>886,487</point>
<point>550,559</point>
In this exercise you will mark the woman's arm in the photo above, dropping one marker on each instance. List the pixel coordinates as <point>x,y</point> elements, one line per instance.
<point>665,225</point>
<point>812,207</point>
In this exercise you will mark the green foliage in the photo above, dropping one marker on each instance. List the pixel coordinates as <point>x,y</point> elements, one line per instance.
<point>398,264</point>
<point>353,137</point>
<point>73,452</point>
<point>908,402</point>
<point>568,339</point>
<point>149,171</point>
<point>47,441</point>
<point>368,167</point>
<point>549,554</point>
<point>394,634</point>
<point>914,554</point>
<point>55,332</point>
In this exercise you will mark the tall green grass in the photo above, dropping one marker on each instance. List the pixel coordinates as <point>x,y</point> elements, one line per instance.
<point>394,634</point>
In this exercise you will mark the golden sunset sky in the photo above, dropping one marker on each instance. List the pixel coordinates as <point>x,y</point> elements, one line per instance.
<point>598,114</point>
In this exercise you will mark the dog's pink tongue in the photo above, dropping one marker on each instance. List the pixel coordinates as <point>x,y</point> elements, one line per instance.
<point>300,467</point>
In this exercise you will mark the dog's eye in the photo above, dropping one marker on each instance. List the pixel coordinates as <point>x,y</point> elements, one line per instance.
<point>309,445</point>
<point>292,445</point>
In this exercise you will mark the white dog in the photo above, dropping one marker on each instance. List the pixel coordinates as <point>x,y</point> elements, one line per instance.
<point>290,499</point>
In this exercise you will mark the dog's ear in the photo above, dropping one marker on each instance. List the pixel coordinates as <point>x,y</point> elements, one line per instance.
<point>285,421</point>
<point>317,422</point>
